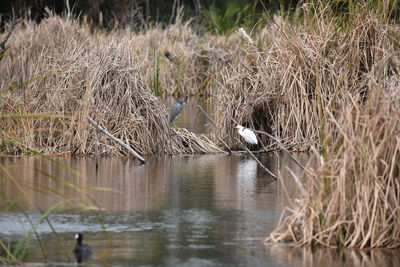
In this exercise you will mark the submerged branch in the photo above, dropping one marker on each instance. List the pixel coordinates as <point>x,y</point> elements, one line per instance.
<point>282,147</point>
<point>256,159</point>
<point>206,114</point>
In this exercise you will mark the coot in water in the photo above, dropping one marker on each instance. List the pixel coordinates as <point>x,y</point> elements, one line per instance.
<point>81,251</point>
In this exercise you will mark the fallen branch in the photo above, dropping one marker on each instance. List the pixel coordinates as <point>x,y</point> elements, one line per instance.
<point>282,147</point>
<point>115,139</point>
<point>206,114</point>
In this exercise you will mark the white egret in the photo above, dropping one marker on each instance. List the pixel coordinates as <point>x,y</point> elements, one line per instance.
<point>247,134</point>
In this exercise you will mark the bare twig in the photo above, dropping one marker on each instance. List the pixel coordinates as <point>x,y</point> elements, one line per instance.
<point>256,159</point>
<point>281,146</point>
<point>4,41</point>
<point>115,139</point>
<point>97,143</point>
<point>206,114</point>
<point>213,122</point>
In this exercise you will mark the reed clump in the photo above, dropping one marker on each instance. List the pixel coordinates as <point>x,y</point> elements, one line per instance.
<point>328,81</point>
<point>352,197</point>
<point>60,67</point>
<point>282,80</point>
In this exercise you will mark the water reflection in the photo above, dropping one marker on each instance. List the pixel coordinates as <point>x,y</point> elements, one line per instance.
<point>82,251</point>
<point>331,257</point>
<point>230,182</point>
<point>202,210</point>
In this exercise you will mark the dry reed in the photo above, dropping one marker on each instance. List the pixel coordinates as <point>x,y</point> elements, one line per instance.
<point>334,87</point>
<point>60,67</point>
<point>352,199</point>
<point>282,80</point>
<point>279,81</point>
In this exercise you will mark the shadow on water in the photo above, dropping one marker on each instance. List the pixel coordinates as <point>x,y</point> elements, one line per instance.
<point>192,211</point>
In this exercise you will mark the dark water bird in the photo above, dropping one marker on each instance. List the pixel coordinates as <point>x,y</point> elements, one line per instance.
<point>248,135</point>
<point>176,109</point>
<point>81,251</point>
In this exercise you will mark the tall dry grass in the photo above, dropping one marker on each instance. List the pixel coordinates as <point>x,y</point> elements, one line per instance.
<point>61,67</point>
<point>352,197</point>
<point>283,79</point>
<point>280,80</point>
<point>328,81</point>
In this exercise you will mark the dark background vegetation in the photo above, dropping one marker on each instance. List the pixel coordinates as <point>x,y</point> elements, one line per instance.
<point>135,13</point>
<point>219,16</point>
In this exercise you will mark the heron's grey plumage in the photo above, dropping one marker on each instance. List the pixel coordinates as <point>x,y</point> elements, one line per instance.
<point>176,109</point>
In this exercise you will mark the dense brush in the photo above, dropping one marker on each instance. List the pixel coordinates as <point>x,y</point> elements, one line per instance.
<point>352,197</point>
<point>60,67</point>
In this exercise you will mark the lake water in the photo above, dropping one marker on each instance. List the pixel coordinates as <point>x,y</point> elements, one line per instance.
<point>212,210</point>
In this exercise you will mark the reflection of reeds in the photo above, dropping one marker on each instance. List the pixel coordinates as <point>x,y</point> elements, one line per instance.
<point>327,81</point>
<point>332,257</point>
<point>51,185</point>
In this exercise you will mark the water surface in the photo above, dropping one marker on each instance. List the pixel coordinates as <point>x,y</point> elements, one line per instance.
<point>212,210</point>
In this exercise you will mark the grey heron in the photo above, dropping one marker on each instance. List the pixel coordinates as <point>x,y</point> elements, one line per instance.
<point>175,110</point>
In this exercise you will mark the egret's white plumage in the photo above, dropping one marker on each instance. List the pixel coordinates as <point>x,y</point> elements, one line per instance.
<point>247,134</point>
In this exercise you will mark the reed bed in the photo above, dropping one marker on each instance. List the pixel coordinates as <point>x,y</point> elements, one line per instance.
<point>282,80</point>
<point>352,197</point>
<point>326,82</point>
<point>60,67</point>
